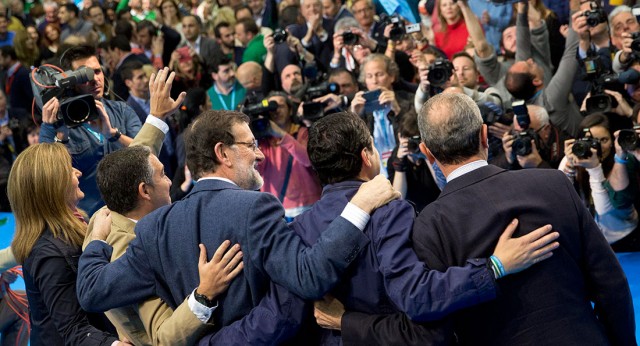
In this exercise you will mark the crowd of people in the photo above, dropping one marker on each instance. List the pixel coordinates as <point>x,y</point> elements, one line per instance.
<point>249,172</point>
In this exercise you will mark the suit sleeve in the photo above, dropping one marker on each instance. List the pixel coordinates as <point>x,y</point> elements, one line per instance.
<point>57,283</point>
<point>274,320</point>
<point>102,285</point>
<point>424,294</point>
<point>150,136</point>
<point>392,330</point>
<point>307,272</point>
<point>604,277</point>
<point>168,327</point>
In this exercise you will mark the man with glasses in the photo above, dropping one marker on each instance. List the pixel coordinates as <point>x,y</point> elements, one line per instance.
<point>225,93</point>
<point>547,144</point>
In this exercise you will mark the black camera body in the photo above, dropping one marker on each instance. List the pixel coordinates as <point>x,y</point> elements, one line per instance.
<point>349,38</point>
<point>280,35</point>
<point>522,142</point>
<point>595,16</point>
<point>600,79</point>
<point>582,147</point>
<point>321,89</point>
<point>635,45</point>
<point>398,31</point>
<point>492,113</point>
<point>259,115</point>
<point>47,83</point>
<point>413,144</point>
<point>440,72</point>
<point>629,139</point>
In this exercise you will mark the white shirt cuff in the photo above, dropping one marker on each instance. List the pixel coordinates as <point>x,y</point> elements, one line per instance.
<point>202,312</point>
<point>356,216</point>
<point>157,122</point>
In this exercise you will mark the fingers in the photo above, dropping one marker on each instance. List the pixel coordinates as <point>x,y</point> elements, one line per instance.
<point>168,83</point>
<point>545,250</point>
<point>180,99</point>
<point>203,254</point>
<point>237,258</point>
<point>229,255</point>
<point>508,232</point>
<point>536,234</point>
<point>217,256</point>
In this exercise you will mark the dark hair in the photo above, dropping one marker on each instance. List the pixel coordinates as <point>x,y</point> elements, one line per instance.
<point>249,25</point>
<point>408,126</point>
<point>287,99</point>
<point>289,15</point>
<point>145,24</point>
<point>582,176</point>
<point>197,18</point>
<point>465,55</point>
<point>9,51</point>
<point>71,7</point>
<point>121,43</point>
<point>215,65</point>
<point>122,12</point>
<point>124,28</point>
<point>517,84</point>
<point>178,13</point>
<point>240,8</point>
<point>76,53</point>
<point>216,29</point>
<point>119,175</point>
<point>208,129</point>
<point>341,70</point>
<point>128,68</point>
<point>335,144</point>
<point>96,5</point>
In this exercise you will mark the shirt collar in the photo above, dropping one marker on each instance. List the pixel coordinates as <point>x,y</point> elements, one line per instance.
<point>467,168</point>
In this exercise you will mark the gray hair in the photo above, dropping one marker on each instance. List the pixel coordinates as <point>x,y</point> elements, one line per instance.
<point>50,4</point>
<point>346,23</point>
<point>616,11</point>
<point>450,126</point>
<point>390,66</point>
<point>540,113</point>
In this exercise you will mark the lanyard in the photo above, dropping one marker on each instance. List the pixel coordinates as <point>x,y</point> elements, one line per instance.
<point>233,100</point>
<point>95,134</point>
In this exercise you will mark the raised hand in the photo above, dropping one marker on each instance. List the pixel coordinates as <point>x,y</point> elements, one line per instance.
<point>161,102</point>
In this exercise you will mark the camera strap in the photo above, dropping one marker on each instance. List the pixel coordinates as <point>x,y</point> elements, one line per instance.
<point>95,134</point>
<point>287,174</point>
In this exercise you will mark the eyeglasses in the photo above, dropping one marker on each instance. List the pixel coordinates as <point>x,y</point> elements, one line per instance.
<point>251,145</point>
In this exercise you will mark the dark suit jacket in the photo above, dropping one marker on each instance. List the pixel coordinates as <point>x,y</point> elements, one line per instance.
<point>549,303</point>
<point>323,51</point>
<point>163,258</point>
<point>21,95</point>
<point>118,82</point>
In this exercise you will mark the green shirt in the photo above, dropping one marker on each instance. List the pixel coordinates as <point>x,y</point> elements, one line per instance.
<point>255,50</point>
<point>226,102</point>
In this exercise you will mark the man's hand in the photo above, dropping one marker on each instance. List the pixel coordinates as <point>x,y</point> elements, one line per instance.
<point>50,111</point>
<point>157,45</point>
<point>105,128</point>
<point>269,43</point>
<point>423,71</point>
<point>389,97</point>
<point>5,132</point>
<point>518,254</point>
<point>216,275</point>
<point>507,146</point>
<point>486,18</point>
<point>403,146</point>
<point>101,225</point>
<point>328,312</point>
<point>357,104</point>
<point>580,26</point>
<point>623,109</point>
<point>374,194</point>
<point>161,102</point>
<point>331,101</point>
<point>532,160</point>
<point>498,129</point>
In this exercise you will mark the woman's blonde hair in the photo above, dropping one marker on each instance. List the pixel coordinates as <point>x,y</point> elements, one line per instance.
<point>26,56</point>
<point>39,190</point>
<point>443,21</point>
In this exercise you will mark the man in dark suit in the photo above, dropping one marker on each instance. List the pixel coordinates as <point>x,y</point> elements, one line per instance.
<point>17,84</point>
<point>319,39</point>
<point>387,276</point>
<point>222,154</point>
<point>207,48</point>
<point>551,303</point>
<point>120,50</point>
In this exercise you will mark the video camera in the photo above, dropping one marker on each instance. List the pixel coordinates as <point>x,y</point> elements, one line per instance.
<point>440,72</point>
<point>600,79</point>
<point>48,82</point>
<point>259,115</point>
<point>313,111</point>
<point>398,31</point>
<point>582,146</point>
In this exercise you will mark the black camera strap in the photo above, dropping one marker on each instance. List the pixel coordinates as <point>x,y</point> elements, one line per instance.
<point>287,174</point>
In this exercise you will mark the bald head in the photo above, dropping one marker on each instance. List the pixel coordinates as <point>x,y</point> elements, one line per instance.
<point>450,126</point>
<point>249,75</point>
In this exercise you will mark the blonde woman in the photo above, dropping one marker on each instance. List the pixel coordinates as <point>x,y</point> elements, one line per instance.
<point>26,48</point>
<point>44,193</point>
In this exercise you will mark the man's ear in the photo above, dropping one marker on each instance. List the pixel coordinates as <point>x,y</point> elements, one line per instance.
<point>365,156</point>
<point>221,153</point>
<point>128,83</point>
<point>537,82</point>
<point>484,136</point>
<point>427,153</point>
<point>143,191</point>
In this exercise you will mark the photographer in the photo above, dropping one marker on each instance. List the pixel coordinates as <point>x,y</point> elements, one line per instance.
<point>315,35</point>
<point>286,168</point>
<point>546,143</point>
<point>114,128</point>
<point>409,171</point>
<point>603,174</point>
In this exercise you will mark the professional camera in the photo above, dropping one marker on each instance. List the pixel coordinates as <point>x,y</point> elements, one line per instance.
<point>522,142</point>
<point>628,139</point>
<point>595,16</point>
<point>600,79</point>
<point>440,72</point>
<point>321,89</point>
<point>492,113</point>
<point>47,83</point>
<point>413,144</point>
<point>280,35</point>
<point>635,45</point>
<point>349,38</point>
<point>582,146</point>
<point>398,30</point>
<point>259,115</point>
